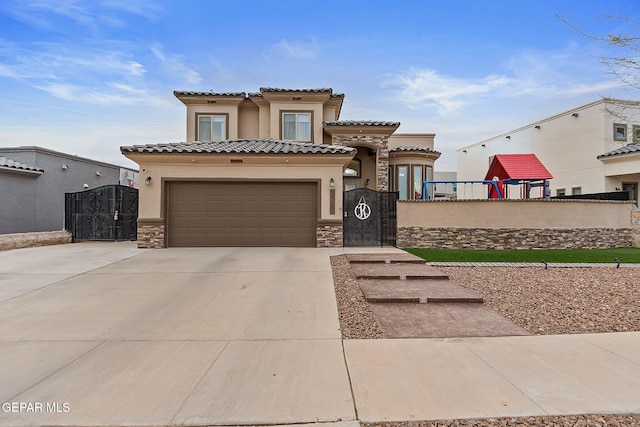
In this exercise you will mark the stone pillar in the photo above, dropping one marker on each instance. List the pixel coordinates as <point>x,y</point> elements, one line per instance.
<point>383,168</point>
<point>635,227</point>
<point>151,233</point>
<point>329,234</point>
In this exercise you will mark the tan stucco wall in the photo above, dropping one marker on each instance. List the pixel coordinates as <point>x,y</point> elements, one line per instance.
<point>253,168</point>
<point>275,118</point>
<point>249,122</point>
<point>231,110</point>
<point>534,214</point>
<point>412,140</point>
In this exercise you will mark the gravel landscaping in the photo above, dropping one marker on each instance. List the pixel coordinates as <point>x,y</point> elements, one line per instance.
<point>544,302</point>
<point>560,421</point>
<point>558,300</point>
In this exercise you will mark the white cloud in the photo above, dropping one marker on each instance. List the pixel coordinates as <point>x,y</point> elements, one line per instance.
<point>428,89</point>
<point>543,75</point>
<point>174,64</point>
<point>300,50</point>
<point>110,94</point>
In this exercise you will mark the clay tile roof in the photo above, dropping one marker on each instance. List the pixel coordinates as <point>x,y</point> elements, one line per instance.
<point>278,89</point>
<point>359,123</point>
<point>195,93</point>
<point>240,146</point>
<point>6,163</point>
<point>413,148</point>
<point>627,149</point>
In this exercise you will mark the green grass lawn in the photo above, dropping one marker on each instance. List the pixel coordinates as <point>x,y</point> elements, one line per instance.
<point>625,255</point>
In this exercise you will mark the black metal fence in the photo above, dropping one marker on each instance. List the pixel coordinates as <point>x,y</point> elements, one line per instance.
<point>104,213</point>
<point>612,195</point>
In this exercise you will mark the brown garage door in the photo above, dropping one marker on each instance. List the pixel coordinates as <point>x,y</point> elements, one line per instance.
<point>242,213</point>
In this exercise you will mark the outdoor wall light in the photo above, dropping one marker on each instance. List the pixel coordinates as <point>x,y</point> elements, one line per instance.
<point>464,151</point>
<point>85,185</point>
<point>537,126</point>
<point>98,173</point>
<point>508,136</point>
<point>65,167</point>
<point>574,115</point>
<point>483,145</point>
<point>332,183</point>
<point>147,181</point>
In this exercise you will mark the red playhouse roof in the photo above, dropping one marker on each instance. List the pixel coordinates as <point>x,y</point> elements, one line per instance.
<point>517,167</point>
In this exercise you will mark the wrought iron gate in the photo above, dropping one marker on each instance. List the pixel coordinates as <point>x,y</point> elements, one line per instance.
<point>369,218</point>
<point>104,213</point>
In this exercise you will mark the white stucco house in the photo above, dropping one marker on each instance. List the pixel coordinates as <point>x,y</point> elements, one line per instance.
<point>593,148</point>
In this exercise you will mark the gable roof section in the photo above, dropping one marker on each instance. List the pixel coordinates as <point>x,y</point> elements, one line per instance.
<point>518,167</point>
<point>8,165</point>
<point>240,146</point>
<point>627,149</point>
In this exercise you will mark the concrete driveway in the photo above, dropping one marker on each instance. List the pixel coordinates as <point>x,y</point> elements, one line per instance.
<point>106,334</point>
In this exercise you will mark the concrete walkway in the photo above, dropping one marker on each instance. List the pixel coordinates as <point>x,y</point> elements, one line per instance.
<point>106,334</point>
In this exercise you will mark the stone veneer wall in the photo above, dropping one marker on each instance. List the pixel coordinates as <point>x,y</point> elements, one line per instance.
<point>150,235</point>
<point>329,235</point>
<point>29,240</point>
<point>381,143</point>
<point>635,227</point>
<point>515,238</point>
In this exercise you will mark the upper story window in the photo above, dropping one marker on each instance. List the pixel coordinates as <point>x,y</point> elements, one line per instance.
<point>636,134</point>
<point>296,126</point>
<point>619,132</point>
<point>212,127</point>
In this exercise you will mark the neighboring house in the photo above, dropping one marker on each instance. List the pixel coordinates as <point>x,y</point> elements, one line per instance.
<point>33,181</point>
<point>594,148</point>
<point>268,169</point>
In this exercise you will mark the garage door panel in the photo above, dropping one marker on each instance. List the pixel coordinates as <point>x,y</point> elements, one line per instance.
<point>242,214</point>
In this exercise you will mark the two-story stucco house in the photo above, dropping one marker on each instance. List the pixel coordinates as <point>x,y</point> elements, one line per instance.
<point>268,169</point>
<point>593,148</point>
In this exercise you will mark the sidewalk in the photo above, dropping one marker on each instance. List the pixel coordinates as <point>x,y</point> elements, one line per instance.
<point>438,379</point>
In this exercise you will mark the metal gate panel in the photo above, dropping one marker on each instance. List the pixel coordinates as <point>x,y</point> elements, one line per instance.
<point>369,218</point>
<point>108,213</point>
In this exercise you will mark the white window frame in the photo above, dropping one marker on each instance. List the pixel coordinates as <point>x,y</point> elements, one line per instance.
<point>636,134</point>
<point>297,136</point>
<point>213,117</point>
<point>617,126</point>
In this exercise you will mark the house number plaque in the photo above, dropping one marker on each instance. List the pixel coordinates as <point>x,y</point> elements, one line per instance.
<point>362,210</point>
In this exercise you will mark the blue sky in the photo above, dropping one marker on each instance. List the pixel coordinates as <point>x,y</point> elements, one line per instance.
<point>85,77</point>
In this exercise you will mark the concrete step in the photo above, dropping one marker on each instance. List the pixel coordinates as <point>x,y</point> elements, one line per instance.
<point>390,258</point>
<point>417,291</point>
<point>442,321</point>
<point>397,271</point>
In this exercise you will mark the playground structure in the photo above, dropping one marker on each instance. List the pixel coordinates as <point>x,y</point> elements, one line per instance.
<point>495,189</point>
<point>505,171</point>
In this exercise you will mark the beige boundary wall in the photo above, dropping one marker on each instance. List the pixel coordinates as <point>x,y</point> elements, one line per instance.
<point>518,224</point>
